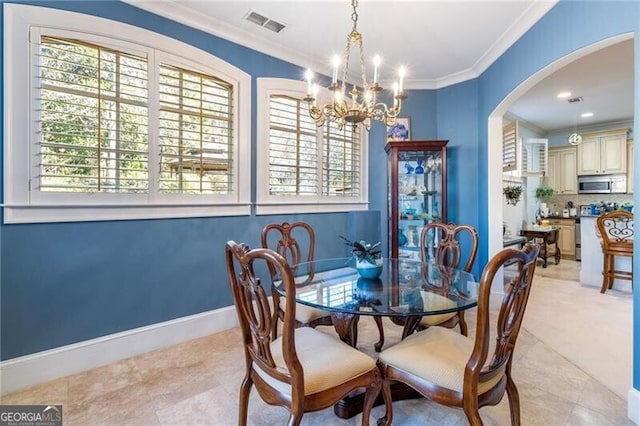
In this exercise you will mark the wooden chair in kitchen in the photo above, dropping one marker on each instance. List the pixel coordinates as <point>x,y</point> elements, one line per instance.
<point>459,371</point>
<point>303,370</point>
<point>441,243</point>
<point>616,230</point>
<point>296,243</point>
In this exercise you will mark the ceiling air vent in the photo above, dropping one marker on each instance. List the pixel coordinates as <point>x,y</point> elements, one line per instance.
<point>265,22</point>
<point>574,100</point>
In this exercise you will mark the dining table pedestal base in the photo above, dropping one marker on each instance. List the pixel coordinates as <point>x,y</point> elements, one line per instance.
<point>352,404</point>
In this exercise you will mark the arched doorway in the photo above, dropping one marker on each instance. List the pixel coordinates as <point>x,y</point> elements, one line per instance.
<point>495,124</point>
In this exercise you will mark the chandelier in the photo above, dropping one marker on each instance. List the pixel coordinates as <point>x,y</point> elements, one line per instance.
<point>360,104</point>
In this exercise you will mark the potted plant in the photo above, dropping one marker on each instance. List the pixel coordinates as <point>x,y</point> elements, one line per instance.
<point>367,257</point>
<point>512,193</point>
<point>544,191</point>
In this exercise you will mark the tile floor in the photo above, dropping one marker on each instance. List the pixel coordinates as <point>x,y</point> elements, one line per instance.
<point>196,383</point>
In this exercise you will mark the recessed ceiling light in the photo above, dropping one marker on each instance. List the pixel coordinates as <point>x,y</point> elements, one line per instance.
<point>563,95</point>
<point>586,114</point>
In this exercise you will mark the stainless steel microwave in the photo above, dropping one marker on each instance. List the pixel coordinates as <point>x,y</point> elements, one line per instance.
<point>602,184</point>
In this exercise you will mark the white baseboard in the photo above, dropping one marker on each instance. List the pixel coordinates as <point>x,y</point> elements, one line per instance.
<point>633,407</point>
<point>29,370</point>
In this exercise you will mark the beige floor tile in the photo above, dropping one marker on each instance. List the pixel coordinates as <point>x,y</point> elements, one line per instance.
<point>582,416</point>
<point>597,397</point>
<point>55,392</point>
<point>96,383</point>
<point>545,369</point>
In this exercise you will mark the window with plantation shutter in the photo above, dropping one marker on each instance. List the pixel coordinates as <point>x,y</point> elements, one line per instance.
<point>293,148</point>
<point>119,130</point>
<point>510,147</point>
<point>93,119</point>
<point>309,168</point>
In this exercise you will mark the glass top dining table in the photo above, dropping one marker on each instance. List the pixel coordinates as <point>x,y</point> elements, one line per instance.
<point>406,290</point>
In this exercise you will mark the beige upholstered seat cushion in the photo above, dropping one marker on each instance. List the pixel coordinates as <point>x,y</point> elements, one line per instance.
<point>326,361</point>
<point>305,313</point>
<point>436,301</point>
<point>438,355</point>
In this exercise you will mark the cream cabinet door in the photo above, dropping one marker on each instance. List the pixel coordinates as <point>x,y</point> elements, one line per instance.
<point>589,156</point>
<point>613,154</point>
<point>553,170</point>
<point>567,240</point>
<point>561,170</point>
<point>568,174</point>
<point>602,154</point>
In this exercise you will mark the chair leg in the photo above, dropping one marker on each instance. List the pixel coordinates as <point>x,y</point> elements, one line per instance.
<point>295,419</point>
<point>473,416</point>
<point>378,346</point>
<point>612,268</point>
<point>243,404</point>
<point>388,408</point>
<point>370,397</point>
<point>605,273</point>
<point>514,401</point>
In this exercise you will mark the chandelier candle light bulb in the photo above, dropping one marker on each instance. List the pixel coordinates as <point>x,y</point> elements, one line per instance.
<point>364,107</point>
<point>376,65</point>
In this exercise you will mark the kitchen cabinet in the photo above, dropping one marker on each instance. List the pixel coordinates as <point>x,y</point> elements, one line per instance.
<point>630,166</point>
<point>603,153</point>
<point>417,179</point>
<point>566,237</point>
<point>561,170</point>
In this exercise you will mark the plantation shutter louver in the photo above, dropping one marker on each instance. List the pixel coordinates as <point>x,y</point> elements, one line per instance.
<point>196,133</point>
<point>92,118</point>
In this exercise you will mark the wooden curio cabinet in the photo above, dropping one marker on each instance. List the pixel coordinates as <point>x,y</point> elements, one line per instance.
<point>417,192</point>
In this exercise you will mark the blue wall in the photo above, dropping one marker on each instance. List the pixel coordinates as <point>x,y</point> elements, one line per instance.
<point>63,283</point>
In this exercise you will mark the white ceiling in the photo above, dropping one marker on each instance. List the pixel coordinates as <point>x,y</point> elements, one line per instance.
<point>439,42</point>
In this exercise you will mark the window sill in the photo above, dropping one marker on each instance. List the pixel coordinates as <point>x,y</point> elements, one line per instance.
<point>84,213</point>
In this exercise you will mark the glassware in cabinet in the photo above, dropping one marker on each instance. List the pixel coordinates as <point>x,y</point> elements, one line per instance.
<point>417,192</point>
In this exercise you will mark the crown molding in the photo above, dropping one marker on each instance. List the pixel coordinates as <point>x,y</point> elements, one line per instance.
<point>177,11</point>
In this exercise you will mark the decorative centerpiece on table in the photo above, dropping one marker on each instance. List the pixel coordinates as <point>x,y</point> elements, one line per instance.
<point>367,257</point>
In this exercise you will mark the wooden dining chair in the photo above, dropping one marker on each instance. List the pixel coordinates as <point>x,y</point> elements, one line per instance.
<point>304,369</point>
<point>616,230</point>
<point>442,244</point>
<point>458,371</point>
<point>296,243</point>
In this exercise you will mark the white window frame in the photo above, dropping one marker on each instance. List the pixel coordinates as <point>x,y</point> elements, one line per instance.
<point>21,205</point>
<point>267,203</point>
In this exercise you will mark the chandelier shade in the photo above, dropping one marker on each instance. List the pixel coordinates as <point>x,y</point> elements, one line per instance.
<point>361,103</point>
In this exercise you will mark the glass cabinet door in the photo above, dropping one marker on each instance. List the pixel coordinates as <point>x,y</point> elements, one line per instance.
<point>417,193</point>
